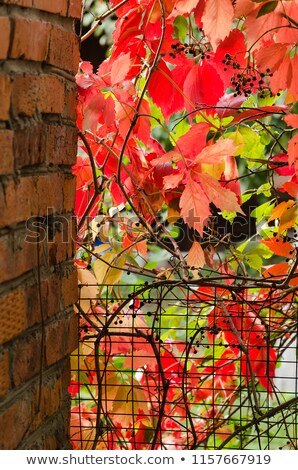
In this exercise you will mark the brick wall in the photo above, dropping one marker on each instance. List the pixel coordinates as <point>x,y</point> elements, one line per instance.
<point>39,55</point>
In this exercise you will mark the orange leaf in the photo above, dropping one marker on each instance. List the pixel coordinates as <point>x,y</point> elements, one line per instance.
<point>291,120</point>
<point>277,271</point>
<point>279,247</point>
<point>217,152</point>
<point>217,20</point>
<point>194,206</point>
<point>196,256</point>
<point>222,198</point>
<point>291,188</point>
<point>286,212</point>
<point>172,181</point>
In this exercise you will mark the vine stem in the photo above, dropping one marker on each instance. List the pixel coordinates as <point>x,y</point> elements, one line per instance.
<point>99,20</point>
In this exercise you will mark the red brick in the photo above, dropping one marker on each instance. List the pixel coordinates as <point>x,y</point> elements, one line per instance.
<point>61,339</point>
<point>21,199</point>
<point>52,6</point>
<point>5,36</point>
<point>47,401</point>
<point>75,8</point>
<point>62,246</point>
<point>70,288</point>
<point>33,93</point>
<point>12,314</point>
<point>69,192</point>
<point>17,256</point>
<point>50,300</point>
<point>21,3</point>
<point>14,423</point>
<point>5,93</point>
<point>6,145</point>
<point>30,40</point>
<point>71,94</point>
<point>26,359</point>
<point>62,145</point>
<point>18,201</point>
<point>66,57</point>
<point>30,144</point>
<point>50,186</point>
<point>4,373</point>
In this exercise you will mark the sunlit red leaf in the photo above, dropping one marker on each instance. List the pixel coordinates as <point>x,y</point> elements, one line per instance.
<point>120,69</point>
<point>203,87</point>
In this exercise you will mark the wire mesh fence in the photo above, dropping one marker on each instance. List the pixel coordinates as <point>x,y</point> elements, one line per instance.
<point>170,365</point>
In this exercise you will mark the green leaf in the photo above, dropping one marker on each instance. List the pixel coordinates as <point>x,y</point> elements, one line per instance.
<point>230,216</point>
<point>246,196</point>
<point>180,27</point>
<point>267,8</point>
<point>265,189</point>
<point>253,148</point>
<point>254,261</point>
<point>261,211</point>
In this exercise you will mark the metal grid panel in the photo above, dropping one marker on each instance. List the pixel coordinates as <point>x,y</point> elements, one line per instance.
<point>176,366</point>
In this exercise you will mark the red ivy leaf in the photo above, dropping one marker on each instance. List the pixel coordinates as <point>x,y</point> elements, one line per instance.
<point>120,69</point>
<point>203,87</point>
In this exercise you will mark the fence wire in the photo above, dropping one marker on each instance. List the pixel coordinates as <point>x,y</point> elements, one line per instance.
<point>176,366</point>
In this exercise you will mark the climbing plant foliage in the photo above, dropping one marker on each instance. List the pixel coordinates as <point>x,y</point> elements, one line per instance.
<point>186,180</point>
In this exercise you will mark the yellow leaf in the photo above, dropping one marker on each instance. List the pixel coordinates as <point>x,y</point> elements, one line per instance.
<point>124,401</point>
<point>213,170</point>
<point>102,248</point>
<point>104,271</point>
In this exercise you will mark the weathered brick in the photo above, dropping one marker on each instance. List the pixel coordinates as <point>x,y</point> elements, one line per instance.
<point>12,314</point>
<point>58,7</point>
<point>37,93</point>
<point>5,93</point>
<point>38,151</point>
<point>21,3</point>
<point>71,94</point>
<point>17,256</point>
<point>6,145</point>
<point>26,358</point>
<point>5,36</point>
<point>30,39</point>
<point>4,372</point>
<point>62,246</point>
<point>68,56</point>
<point>14,423</point>
<point>20,200</point>
<point>61,339</point>
<point>62,145</point>
<point>70,288</point>
<point>69,192</point>
<point>30,144</point>
<point>75,8</point>
<point>47,401</point>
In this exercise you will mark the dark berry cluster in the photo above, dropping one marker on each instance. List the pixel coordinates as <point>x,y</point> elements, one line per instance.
<point>246,81</point>
<point>196,50</point>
